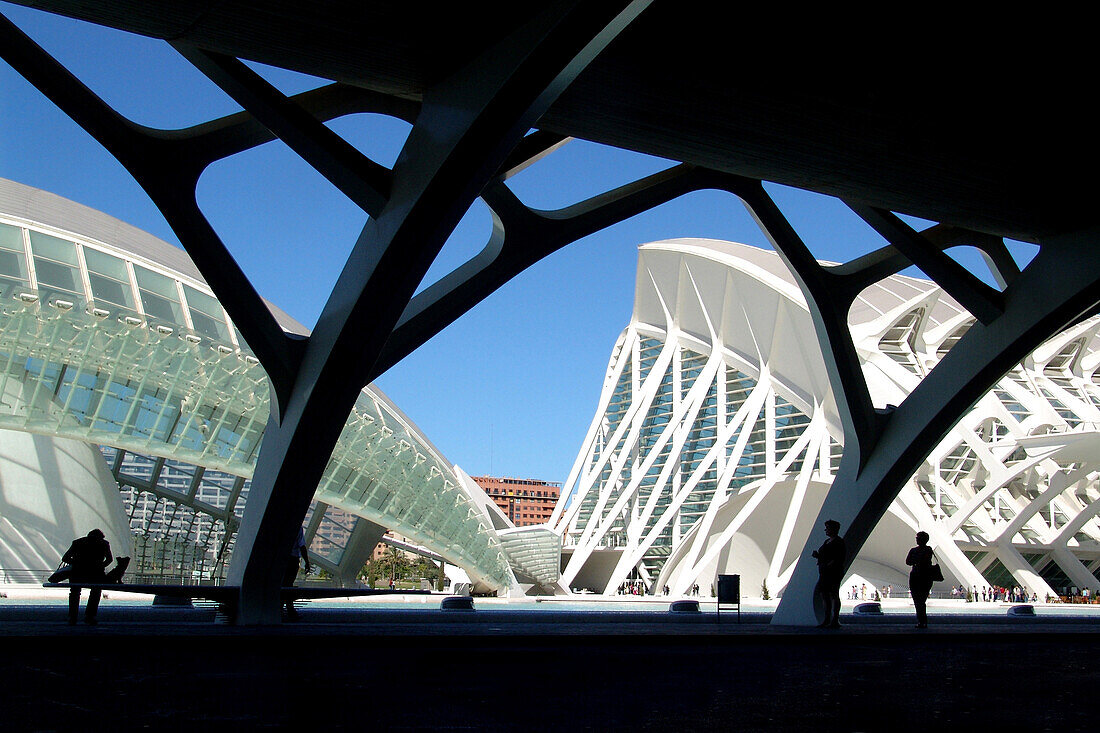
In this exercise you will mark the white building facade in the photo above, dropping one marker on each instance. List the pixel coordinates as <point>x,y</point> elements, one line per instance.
<point>717,435</point>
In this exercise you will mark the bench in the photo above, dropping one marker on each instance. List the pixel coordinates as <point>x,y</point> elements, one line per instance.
<point>226,596</point>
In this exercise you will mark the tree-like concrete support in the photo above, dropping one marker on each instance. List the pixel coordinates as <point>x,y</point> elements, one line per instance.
<point>467,133</point>
<point>470,132</point>
<point>466,129</point>
<point>1058,288</point>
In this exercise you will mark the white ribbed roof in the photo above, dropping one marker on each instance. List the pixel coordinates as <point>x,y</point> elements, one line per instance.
<point>879,298</point>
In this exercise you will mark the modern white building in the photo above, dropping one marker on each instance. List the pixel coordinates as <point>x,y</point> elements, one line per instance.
<point>717,434</point>
<point>130,402</point>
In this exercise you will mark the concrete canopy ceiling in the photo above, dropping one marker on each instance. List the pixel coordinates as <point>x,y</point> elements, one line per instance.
<point>992,140</point>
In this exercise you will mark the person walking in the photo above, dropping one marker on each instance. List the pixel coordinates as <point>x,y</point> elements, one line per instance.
<point>88,556</point>
<point>830,567</point>
<point>920,577</point>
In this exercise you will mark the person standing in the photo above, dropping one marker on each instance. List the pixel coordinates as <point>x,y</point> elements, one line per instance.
<point>297,555</point>
<point>920,577</point>
<point>830,567</point>
<point>88,556</point>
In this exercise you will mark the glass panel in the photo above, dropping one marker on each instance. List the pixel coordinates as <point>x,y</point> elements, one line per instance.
<point>159,298</point>
<point>57,279</point>
<point>105,264</point>
<point>161,308</point>
<point>138,469</point>
<point>55,266</point>
<point>176,477</point>
<point>332,534</point>
<point>54,248</point>
<point>13,259</point>
<point>208,327</point>
<point>111,291</point>
<point>11,237</point>
<point>1056,578</point>
<point>155,415</point>
<point>202,302</point>
<point>109,279</point>
<point>77,392</point>
<point>206,314</point>
<point>113,407</point>
<point>45,373</point>
<point>13,266</point>
<point>109,454</point>
<point>216,488</point>
<point>240,339</point>
<point>156,283</point>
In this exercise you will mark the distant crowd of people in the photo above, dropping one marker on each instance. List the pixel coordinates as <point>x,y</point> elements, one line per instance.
<point>632,588</point>
<point>637,588</point>
<point>859,593</point>
<point>993,594</point>
<point>986,594</point>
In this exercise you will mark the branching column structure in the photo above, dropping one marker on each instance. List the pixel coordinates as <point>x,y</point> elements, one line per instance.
<point>468,135</point>
<point>882,449</point>
<point>470,132</point>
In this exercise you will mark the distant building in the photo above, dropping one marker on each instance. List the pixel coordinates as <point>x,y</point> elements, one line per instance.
<point>524,501</point>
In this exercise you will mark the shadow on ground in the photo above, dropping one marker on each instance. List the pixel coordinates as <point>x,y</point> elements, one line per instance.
<point>176,670</point>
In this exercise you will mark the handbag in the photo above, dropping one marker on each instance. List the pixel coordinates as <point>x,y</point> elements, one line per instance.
<point>937,574</point>
<point>64,572</point>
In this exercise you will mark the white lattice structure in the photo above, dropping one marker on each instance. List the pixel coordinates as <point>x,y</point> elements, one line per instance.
<point>717,435</point>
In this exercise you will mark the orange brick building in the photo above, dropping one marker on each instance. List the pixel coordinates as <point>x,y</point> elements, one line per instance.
<point>526,501</point>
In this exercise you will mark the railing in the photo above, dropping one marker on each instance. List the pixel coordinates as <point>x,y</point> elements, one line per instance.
<point>169,579</point>
<point>37,576</point>
<point>24,576</point>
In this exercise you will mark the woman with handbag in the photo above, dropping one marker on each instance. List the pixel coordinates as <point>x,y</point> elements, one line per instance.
<point>921,577</point>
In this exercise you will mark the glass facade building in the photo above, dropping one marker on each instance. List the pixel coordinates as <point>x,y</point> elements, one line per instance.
<point>110,337</point>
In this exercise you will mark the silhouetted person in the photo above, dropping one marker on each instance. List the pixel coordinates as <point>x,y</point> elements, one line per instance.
<point>830,567</point>
<point>87,556</point>
<point>920,577</point>
<point>298,554</point>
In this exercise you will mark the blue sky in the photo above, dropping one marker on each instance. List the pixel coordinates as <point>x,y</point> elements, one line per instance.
<point>512,386</point>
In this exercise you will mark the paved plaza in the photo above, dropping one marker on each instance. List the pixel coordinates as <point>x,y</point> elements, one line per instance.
<point>547,666</point>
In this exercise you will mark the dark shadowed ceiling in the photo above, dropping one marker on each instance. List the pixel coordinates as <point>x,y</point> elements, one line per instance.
<point>986,134</point>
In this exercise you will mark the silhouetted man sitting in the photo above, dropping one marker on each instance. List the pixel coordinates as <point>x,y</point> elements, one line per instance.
<point>87,556</point>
